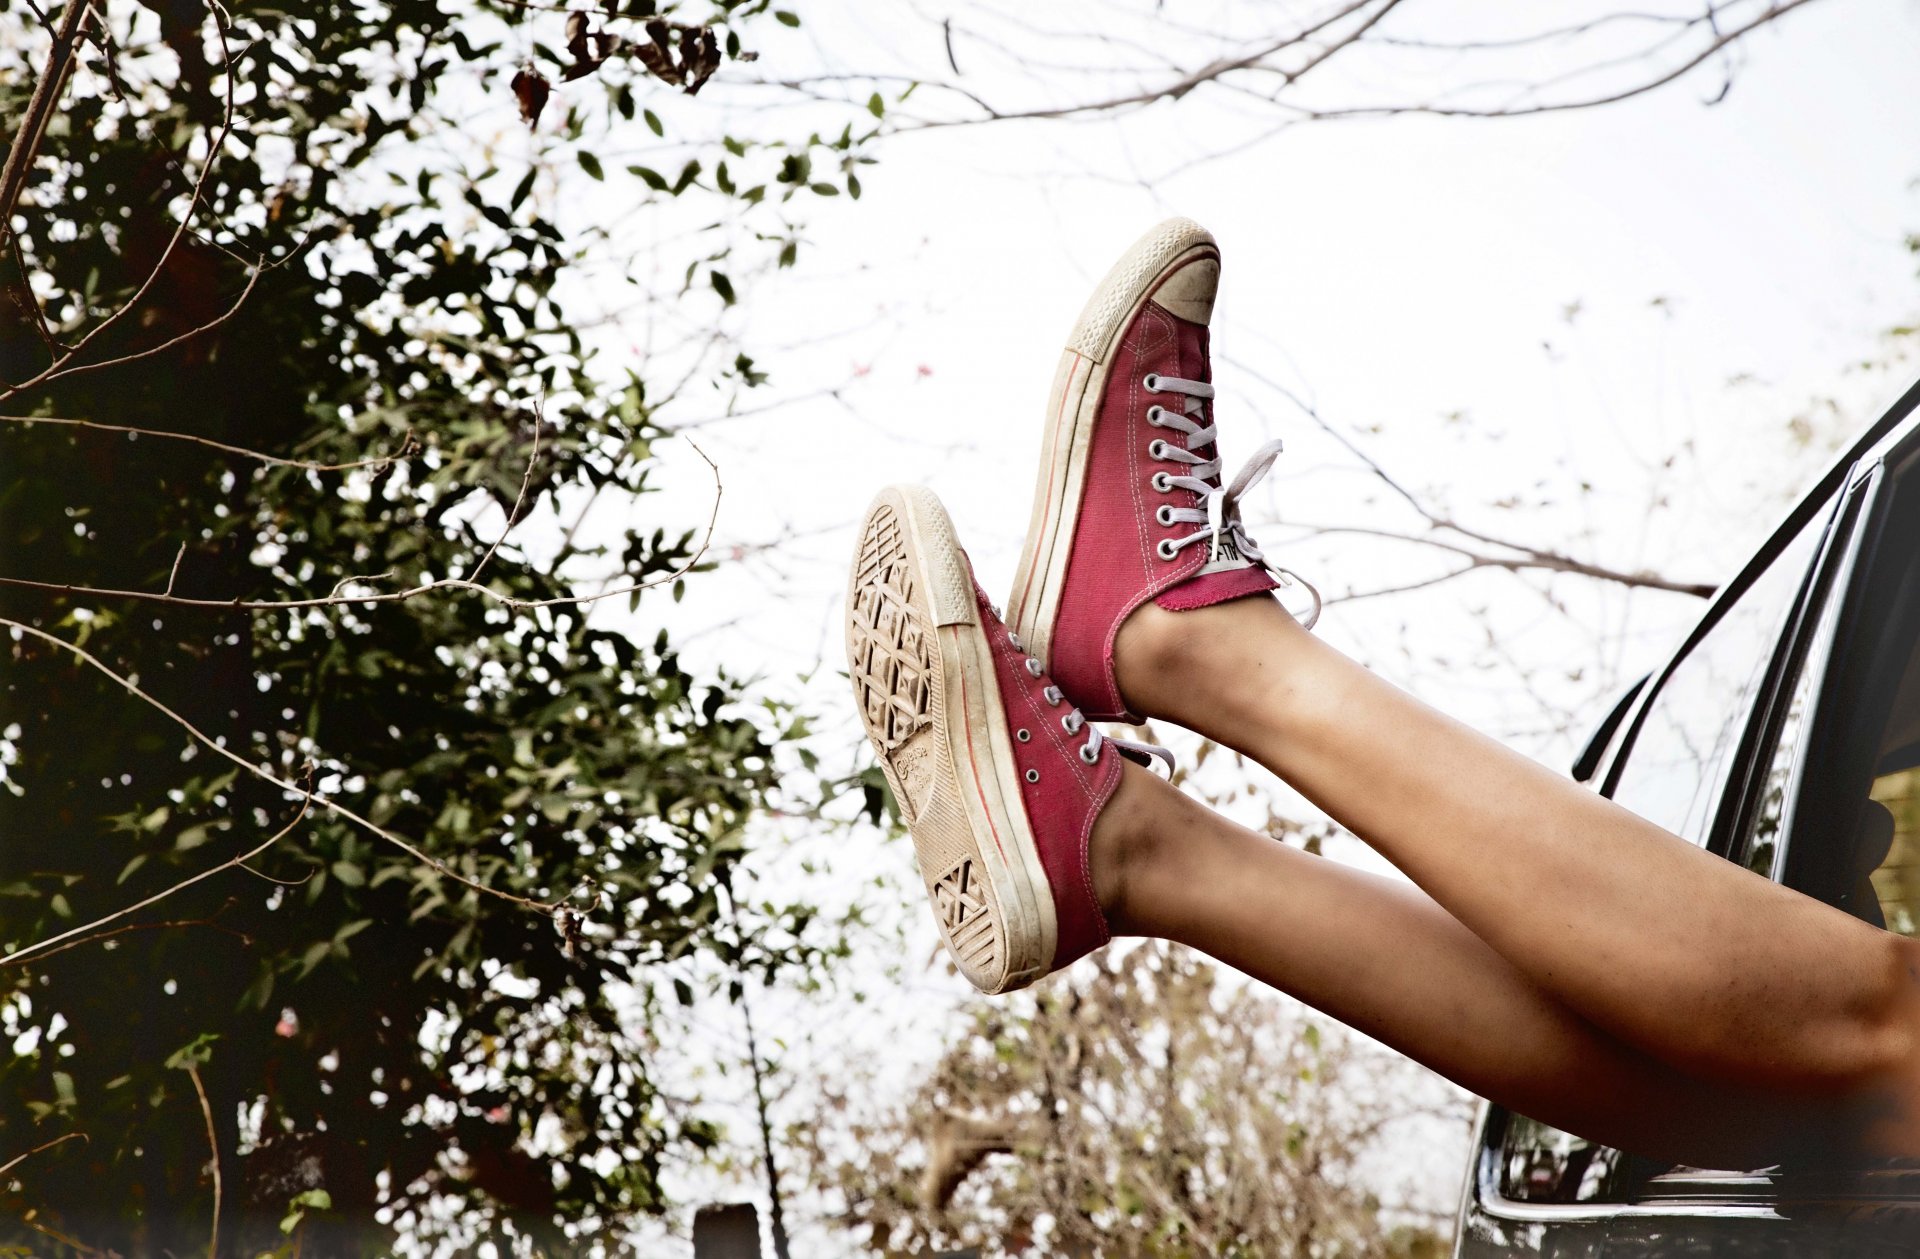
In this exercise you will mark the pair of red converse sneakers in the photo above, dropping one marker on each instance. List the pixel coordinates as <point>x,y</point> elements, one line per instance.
<point>984,730</point>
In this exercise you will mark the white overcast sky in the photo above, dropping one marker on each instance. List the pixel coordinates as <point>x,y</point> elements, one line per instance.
<point>1582,287</point>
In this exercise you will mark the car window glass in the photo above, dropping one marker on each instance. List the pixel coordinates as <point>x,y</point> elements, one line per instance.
<point>1680,756</point>
<point>1675,769</point>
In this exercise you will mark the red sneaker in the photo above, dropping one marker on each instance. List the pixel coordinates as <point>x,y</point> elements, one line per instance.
<point>1130,505</point>
<point>999,780</point>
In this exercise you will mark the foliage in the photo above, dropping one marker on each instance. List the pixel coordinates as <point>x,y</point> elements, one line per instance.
<point>1140,1105</point>
<point>368,280</point>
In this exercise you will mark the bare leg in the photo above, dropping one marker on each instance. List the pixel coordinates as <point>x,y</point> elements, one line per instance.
<point>1384,958</point>
<point>1686,957</point>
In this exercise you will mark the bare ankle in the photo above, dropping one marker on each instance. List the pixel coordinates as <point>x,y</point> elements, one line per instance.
<point>1124,843</point>
<point>1153,655</point>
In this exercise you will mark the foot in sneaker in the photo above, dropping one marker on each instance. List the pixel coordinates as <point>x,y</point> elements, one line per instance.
<point>999,779</point>
<point>1130,505</point>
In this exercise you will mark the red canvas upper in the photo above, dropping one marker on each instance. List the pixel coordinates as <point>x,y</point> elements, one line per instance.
<point>1113,566</point>
<point>1063,794</point>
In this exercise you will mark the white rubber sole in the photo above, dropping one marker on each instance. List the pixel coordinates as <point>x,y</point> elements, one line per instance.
<point>922,672</point>
<point>1072,407</point>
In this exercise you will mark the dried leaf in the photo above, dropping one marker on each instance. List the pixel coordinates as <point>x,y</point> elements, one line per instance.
<point>531,89</point>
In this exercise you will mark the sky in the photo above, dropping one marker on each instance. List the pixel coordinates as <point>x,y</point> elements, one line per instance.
<point>1590,330</point>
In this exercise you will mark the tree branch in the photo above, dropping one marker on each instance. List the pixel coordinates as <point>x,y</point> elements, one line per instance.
<point>337,599</point>
<point>267,776</point>
<point>18,1159</point>
<point>213,1152</point>
<point>59,365</point>
<point>48,947</point>
<point>407,443</point>
<point>46,96</point>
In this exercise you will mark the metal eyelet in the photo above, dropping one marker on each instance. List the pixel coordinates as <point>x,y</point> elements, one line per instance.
<point>1023,735</point>
<point>1164,515</point>
<point>1166,550</point>
<point>1053,695</point>
<point>1034,667</point>
<point>1162,482</point>
<point>1073,723</point>
<point>1157,450</point>
<point>1156,416</point>
<point>1151,383</point>
<point>1033,775</point>
<point>1014,640</point>
<point>1090,755</point>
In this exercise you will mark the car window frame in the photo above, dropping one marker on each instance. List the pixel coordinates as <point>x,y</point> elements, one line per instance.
<point>1848,490</point>
<point>1839,506</point>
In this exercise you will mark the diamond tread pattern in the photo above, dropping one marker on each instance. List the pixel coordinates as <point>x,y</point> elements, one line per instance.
<point>894,661</point>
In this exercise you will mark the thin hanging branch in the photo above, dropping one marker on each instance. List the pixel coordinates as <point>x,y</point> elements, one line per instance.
<point>338,599</point>
<point>88,932</point>
<point>46,97</point>
<point>267,776</point>
<point>408,444</point>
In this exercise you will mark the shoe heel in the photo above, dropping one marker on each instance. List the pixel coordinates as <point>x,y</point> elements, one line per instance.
<point>943,565</point>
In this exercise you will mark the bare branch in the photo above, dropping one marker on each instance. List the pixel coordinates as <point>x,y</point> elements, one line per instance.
<point>90,931</point>
<point>213,1152</point>
<point>1526,556</point>
<point>407,443</point>
<point>46,96</point>
<point>214,143</point>
<point>513,517</point>
<point>336,599</point>
<point>267,776</point>
<point>1531,558</point>
<point>167,925</point>
<point>18,1159</point>
<point>1256,69</point>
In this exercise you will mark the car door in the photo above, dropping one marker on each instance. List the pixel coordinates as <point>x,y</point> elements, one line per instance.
<point>1681,753</point>
<point>1830,805</point>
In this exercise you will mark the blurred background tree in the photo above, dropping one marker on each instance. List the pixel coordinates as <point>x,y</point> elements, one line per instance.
<point>1143,1104</point>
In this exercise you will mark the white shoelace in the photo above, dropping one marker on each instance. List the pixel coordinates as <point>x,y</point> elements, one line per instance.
<point>1223,530</point>
<point>1073,722</point>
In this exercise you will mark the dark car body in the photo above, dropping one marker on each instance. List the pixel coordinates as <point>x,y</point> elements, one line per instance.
<point>1784,734</point>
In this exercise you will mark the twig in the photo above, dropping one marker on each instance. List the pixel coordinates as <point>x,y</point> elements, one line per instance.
<point>1528,556</point>
<point>407,443</point>
<point>18,1159</point>
<point>46,95</point>
<point>47,945</point>
<point>397,596</point>
<point>214,144</point>
<point>242,936</point>
<point>332,806</point>
<point>173,574</point>
<point>253,277</point>
<point>519,499</point>
<point>213,1150</point>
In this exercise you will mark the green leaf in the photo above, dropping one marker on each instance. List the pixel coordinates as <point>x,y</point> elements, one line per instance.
<point>652,177</point>
<point>785,18</point>
<point>653,122</point>
<point>126,871</point>
<point>876,106</point>
<point>311,958</point>
<point>349,874</point>
<point>591,164</point>
<point>723,286</point>
<point>194,1053</point>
